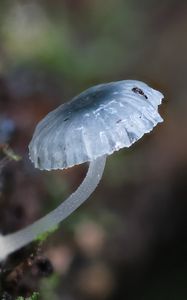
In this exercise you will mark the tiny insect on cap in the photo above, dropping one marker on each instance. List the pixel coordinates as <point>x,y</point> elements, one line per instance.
<point>99,121</point>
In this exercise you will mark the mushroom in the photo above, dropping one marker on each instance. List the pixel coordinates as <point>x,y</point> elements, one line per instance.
<point>99,121</point>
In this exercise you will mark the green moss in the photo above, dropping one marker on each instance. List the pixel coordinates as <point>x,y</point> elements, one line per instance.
<point>49,286</point>
<point>35,296</point>
<point>42,237</point>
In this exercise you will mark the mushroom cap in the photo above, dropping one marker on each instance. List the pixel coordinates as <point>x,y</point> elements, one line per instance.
<point>99,121</point>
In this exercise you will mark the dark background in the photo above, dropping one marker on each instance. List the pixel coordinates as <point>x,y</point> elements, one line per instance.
<point>129,240</point>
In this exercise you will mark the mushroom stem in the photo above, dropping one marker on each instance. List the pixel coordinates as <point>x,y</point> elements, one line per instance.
<point>14,241</point>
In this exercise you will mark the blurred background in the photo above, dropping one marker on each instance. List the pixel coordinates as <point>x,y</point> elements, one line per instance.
<point>129,240</point>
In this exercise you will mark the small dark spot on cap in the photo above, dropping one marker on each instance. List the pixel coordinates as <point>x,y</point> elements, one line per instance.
<point>137,90</point>
<point>66,119</point>
<point>118,121</point>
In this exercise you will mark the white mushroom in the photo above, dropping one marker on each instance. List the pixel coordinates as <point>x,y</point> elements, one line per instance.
<point>99,121</point>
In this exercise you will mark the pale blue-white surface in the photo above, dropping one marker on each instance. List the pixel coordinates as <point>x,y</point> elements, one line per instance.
<point>99,121</point>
